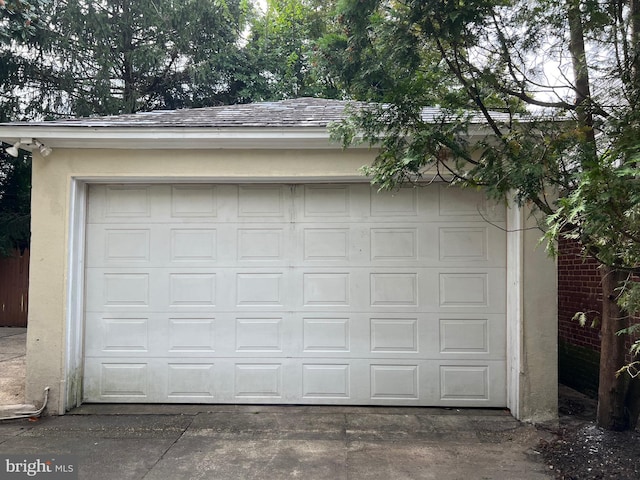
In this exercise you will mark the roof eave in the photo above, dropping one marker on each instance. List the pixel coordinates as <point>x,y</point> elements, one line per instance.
<point>168,137</point>
<point>180,138</point>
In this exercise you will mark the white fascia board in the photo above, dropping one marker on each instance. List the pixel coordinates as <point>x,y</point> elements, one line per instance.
<point>168,137</point>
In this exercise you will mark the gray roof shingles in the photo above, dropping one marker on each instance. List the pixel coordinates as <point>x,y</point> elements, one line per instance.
<point>301,112</point>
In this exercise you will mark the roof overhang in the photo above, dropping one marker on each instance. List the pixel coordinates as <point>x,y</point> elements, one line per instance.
<point>166,137</point>
<point>180,138</point>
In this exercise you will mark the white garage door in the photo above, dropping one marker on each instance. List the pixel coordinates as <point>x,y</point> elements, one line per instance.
<point>297,294</point>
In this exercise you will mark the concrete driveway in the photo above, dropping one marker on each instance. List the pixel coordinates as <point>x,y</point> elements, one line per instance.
<point>233,442</point>
<point>227,442</point>
<point>12,365</point>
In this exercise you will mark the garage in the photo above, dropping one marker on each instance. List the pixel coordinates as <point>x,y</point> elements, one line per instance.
<point>237,255</point>
<point>294,294</point>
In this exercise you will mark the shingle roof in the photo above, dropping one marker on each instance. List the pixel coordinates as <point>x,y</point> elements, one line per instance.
<point>296,123</point>
<point>300,112</point>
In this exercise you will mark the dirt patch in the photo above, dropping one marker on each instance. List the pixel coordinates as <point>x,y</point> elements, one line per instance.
<point>582,451</point>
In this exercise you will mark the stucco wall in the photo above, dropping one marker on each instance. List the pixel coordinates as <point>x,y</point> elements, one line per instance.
<point>53,181</point>
<point>539,386</point>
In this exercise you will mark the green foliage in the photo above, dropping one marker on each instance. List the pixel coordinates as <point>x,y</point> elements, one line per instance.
<point>20,26</point>
<point>18,20</point>
<point>15,199</point>
<point>121,56</point>
<point>582,317</point>
<point>282,49</point>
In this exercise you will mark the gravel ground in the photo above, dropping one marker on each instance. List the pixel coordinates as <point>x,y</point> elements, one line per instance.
<point>582,451</point>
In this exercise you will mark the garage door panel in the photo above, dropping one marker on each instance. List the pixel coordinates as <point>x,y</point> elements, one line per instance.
<point>129,203</point>
<point>466,204</point>
<point>194,201</point>
<point>480,290</point>
<point>294,294</point>
<point>189,382</point>
<point>325,202</point>
<point>122,202</point>
<point>402,244</point>
<point>468,336</point>
<point>263,202</point>
<point>328,335</point>
<point>265,380</point>
<point>470,244</point>
<point>398,203</point>
<point>330,244</point>
<point>468,383</point>
<point>315,335</point>
<point>118,333</point>
<point>118,290</point>
<point>307,289</point>
<point>437,245</point>
<point>193,244</point>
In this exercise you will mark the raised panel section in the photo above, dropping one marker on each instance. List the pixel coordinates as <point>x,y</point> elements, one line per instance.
<point>126,289</point>
<point>326,201</point>
<point>394,381</point>
<point>123,379</point>
<point>464,289</point>
<point>463,244</point>
<point>125,335</point>
<point>191,335</point>
<point>393,243</point>
<point>190,380</point>
<point>193,245</point>
<point>402,202</point>
<point>259,334</point>
<point>326,244</point>
<point>326,288</point>
<point>326,335</point>
<point>258,380</point>
<point>394,335</point>
<point>325,381</point>
<point>464,336</point>
<point>192,289</point>
<point>260,201</point>
<point>127,201</point>
<point>193,201</point>
<point>461,201</point>
<point>126,245</point>
<point>400,289</point>
<point>259,244</point>
<point>259,289</point>
<point>464,382</point>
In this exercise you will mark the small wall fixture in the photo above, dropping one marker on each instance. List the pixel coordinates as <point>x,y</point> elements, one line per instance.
<point>13,151</point>
<point>44,150</point>
<point>29,144</point>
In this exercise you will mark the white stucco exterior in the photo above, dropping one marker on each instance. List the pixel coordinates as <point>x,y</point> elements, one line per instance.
<point>144,155</point>
<point>59,195</point>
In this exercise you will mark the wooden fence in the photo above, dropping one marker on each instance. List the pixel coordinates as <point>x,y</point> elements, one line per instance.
<point>14,289</point>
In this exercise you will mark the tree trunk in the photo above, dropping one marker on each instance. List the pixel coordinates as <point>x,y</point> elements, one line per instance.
<point>128,75</point>
<point>582,84</point>
<point>612,392</point>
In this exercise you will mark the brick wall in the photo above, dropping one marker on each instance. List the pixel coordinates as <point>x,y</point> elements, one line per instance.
<point>578,291</point>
